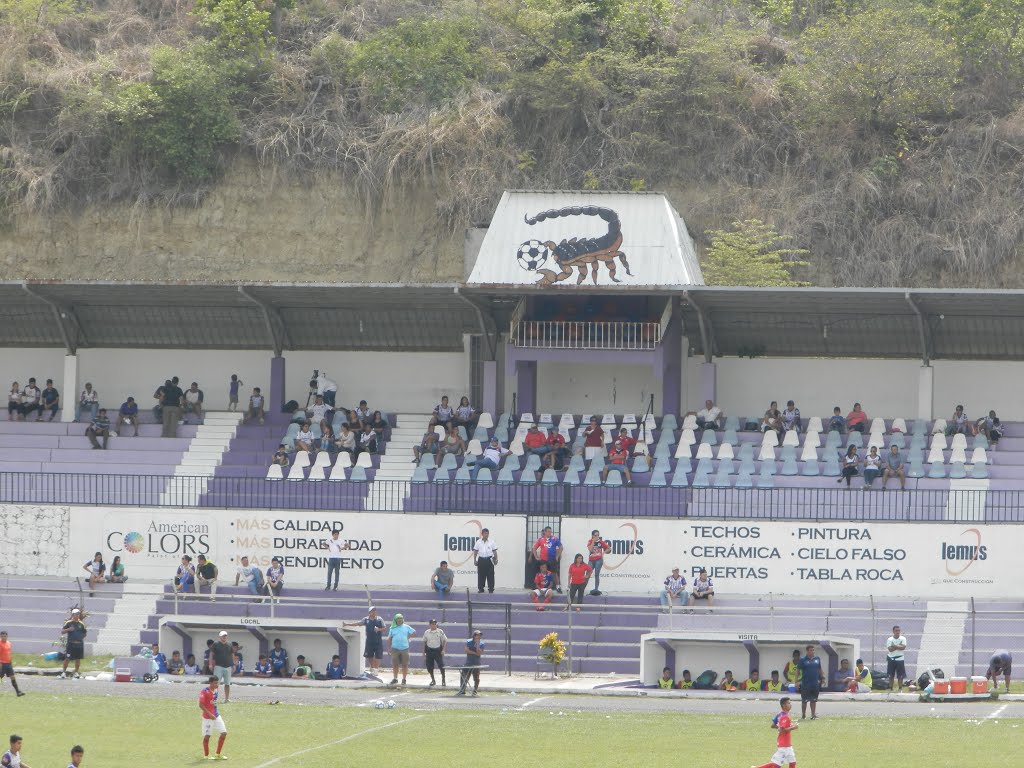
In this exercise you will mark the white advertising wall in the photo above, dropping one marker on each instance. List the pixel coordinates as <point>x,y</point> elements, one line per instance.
<point>841,559</point>
<point>385,549</point>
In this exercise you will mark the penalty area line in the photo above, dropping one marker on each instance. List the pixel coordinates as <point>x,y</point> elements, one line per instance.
<point>336,742</point>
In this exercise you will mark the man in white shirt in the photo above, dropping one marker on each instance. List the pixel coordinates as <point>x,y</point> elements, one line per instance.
<point>485,557</point>
<point>320,410</point>
<point>194,401</point>
<point>896,648</point>
<point>491,458</point>
<point>710,416</point>
<point>335,546</point>
<point>327,388</point>
<point>29,399</point>
<point>250,576</point>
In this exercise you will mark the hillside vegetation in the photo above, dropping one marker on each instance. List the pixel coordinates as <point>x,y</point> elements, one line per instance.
<point>882,139</point>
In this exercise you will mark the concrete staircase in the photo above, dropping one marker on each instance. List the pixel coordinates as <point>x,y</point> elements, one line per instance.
<point>408,431</point>
<point>128,618</point>
<point>941,637</point>
<point>205,453</point>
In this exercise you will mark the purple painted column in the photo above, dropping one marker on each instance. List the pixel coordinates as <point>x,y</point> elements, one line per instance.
<point>276,396</point>
<point>708,383</point>
<point>526,386</point>
<point>490,388</point>
<point>670,361</point>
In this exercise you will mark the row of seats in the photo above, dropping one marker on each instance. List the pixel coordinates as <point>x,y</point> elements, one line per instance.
<point>338,473</point>
<point>811,453</point>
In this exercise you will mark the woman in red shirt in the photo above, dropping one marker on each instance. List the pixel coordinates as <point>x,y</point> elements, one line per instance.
<point>593,434</point>
<point>598,548</point>
<point>579,575</point>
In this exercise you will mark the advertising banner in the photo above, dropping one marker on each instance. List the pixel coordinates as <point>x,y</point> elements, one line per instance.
<point>384,549</point>
<point>801,558</point>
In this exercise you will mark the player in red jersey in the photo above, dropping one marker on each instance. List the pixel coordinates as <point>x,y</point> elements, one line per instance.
<point>212,721</point>
<point>784,754</point>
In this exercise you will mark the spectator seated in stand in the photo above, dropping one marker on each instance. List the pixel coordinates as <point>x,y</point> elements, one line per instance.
<point>326,443</point>
<point>116,574</point>
<point>535,443</point>
<point>618,459</point>
<point>346,441</point>
<point>193,402</point>
<point>491,458</point>
<point>281,456</point>
<point>893,467</point>
<point>304,438</point>
<point>958,423</point>
<point>665,681</point>
<point>772,419</point>
<point>703,589</point>
<point>710,416</point>
<point>367,440</point>
<point>334,671</point>
<point>427,445</point>
<point>630,443</point>
<point>128,414</point>
<point>99,428</point>
<point>857,420</point>
<point>753,682</point>
<point>380,425</point>
<point>791,421</point>
<point>88,403</point>
<point>320,412</point>
<point>543,586</point>
<point>850,463</point>
<point>674,591</point>
<point>452,443</point>
<point>872,467</point>
<point>989,426</point>
<point>465,416</point>
<point>837,423</point>
<point>443,414</point>
<point>14,402</point>
<point>257,406</point>
<point>49,400</point>
<point>29,400</point>
<point>557,451</point>
<point>363,414</point>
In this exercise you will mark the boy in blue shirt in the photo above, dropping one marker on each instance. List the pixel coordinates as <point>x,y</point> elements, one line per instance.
<point>160,659</point>
<point>263,667</point>
<point>334,670</point>
<point>837,423</point>
<point>278,660</point>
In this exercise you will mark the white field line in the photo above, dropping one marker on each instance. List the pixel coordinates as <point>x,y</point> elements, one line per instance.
<point>534,701</point>
<point>996,712</point>
<point>350,737</point>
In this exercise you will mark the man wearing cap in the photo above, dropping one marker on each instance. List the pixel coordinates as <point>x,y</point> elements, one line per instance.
<point>674,590</point>
<point>618,458</point>
<point>435,643</point>
<point>474,652</point>
<point>491,458</point>
<point>485,558</point>
<point>223,662</point>
<point>374,646</point>
<point>398,638</point>
<point>75,631</point>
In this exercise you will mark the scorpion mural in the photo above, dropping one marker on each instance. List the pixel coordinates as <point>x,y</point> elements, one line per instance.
<point>576,253</point>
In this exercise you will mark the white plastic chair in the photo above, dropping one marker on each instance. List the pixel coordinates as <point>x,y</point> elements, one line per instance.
<point>275,473</point>
<point>899,425</point>
<point>323,459</point>
<point>877,439</point>
<point>979,456</point>
<point>687,437</point>
<point>809,453</point>
<point>939,439</point>
<point>546,418</point>
<point>629,420</point>
<point>567,422</point>
<point>516,447</point>
<point>957,454</point>
<point>338,472</point>
<point>767,452</point>
<point>301,459</point>
<point>296,472</point>
<point>704,451</point>
<point>316,473</point>
<point>878,426</point>
<point>486,420</point>
<point>608,418</point>
<point>439,431</point>
<point>939,425</point>
<point>814,424</point>
<point>725,451</point>
<point>959,441</point>
<point>770,438</point>
<point>792,437</point>
<point>683,450</point>
<point>344,460</point>
<point>812,439</point>
<point>526,418</point>
<point>690,422</point>
<point>364,460</point>
<point>474,448</point>
<point>935,454</point>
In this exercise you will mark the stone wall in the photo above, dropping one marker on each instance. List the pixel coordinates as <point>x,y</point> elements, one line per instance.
<point>35,539</point>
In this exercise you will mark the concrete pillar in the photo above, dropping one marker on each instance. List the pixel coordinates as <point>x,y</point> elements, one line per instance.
<point>490,388</point>
<point>708,383</point>
<point>276,395</point>
<point>69,389</point>
<point>669,368</point>
<point>526,386</point>
<point>925,391</point>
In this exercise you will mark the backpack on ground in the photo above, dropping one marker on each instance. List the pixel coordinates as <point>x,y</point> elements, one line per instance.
<point>928,675</point>
<point>705,680</point>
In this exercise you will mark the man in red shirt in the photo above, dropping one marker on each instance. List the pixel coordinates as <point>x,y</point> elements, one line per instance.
<point>784,754</point>
<point>556,449</point>
<point>542,583</point>
<point>536,445</point>
<point>212,721</point>
<point>7,663</point>
<point>629,443</point>
<point>593,435</point>
<point>618,458</point>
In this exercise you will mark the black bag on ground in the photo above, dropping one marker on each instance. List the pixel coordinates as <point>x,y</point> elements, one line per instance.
<point>926,678</point>
<point>705,680</point>
<point>290,407</point>
<point>880,680</point>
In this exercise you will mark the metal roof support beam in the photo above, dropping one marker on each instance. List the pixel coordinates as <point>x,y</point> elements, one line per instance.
<point>707,330</point>
<point>488,327</point>
<point>923,329</point>
<point>276,329</point>
<point>67,321</point>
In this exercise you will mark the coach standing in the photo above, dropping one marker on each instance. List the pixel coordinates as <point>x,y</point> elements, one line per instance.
<point>74,651</point>
<point>171,403</point>
<point>896,648</point>
<point>485,558</point>
<point>223,663</point>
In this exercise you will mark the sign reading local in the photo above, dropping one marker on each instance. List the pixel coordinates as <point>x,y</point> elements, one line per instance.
<point>885,559</point>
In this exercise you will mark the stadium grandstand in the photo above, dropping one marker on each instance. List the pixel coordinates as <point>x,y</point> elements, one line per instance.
<point>576,309</point>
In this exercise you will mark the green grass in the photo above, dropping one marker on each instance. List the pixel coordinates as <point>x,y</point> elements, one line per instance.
<point>124,731</point>
<point>89,663</point>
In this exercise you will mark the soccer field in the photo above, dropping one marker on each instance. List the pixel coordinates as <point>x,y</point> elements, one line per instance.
<point>123,731</point>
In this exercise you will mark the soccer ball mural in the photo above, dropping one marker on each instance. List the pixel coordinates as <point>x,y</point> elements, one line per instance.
<point>532,255</point>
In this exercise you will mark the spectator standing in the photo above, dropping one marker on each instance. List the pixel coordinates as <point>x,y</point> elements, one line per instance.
<point>74,630</point>
<point>373,649</point>
<point>872,467</point>
<point>893,467</point>
<point>206,576</point>
<point>542,587</point>
<point>257,408</point>
<point>193,403</point>
<point>328,388</point>
<point>158,395</point>
<point>435,644</point>
<point>958,423</point>
<point>185,576</point>
<point>442,581</point>
<point>250,576</point>
<point>97,570</point>
<point>334,546</point>
<point>485,558</point>
<point>791,421</point>
<point>212,721</point>
<point>471,669</point>
<point>275,578</point>
<point>837,423</point>
<point>223,662</point>
<point>703,589</point>
<point>234,385</point>
<point>49,400</point>
<point>850,463</point>
<point>99,427</point>
<point>29,399</point>
<point>548,550</point>
<point>443,414</point>
<point>88,402</point>
<point>116,573</point>
<point>896,649</point>
<point>1001,663</point>
<point>674,589</point>
<point>857,420</point>
<point>171,408</point>
<point>579,575</point>
<point>7,663</point>
<point>812,679</point>
<point>710,416</point>
<point>593,438</point>
<point>597,548</point>
<point>491,458</point>
<point>127,414</point>
<point>398,639</point>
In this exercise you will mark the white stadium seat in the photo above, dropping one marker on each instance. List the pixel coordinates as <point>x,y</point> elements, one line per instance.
<point>704,451</point>
<point>725,451</point>
<point>814,424</point>
<point>690,422</point>
<point>877,426</point>
<point>275,473</point>
<point>792,437</point>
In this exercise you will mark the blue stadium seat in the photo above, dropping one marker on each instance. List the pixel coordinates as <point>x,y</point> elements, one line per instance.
<point>980,441</point>
<point>669,423</point>
<point>550,477</point>
<point>679,479</point>
<point>501,432</point>
<point>571,478</point>
<point>832,468</point>
<point>449,462</point>
<point>420,475</point>
<point>899,440</point>
<point>957,471</point>
<point>732,424</point>
<point>640,465</point>
<point>358,474</point>
<point>658,480</point>
<point>833,439</point>
<point>721,479</point>
<point>937,470</point>
<point>462,475</point>
<point>480,433</point>
<point>746,451</point>
<point>916,468</point>
<point>463,434</point>
<point>484,476</point>
<point>788,453</point>
<point>855,439</point>
<point>533,463</point>
<point>442,476</point>
<point>576,463</point>
<point>727,466</point>
<point>979,471</point>
<point>731,437</point>
<point>765,479</point>
<point>810,468</point>
<point>705,466</point>
<point>427,461</point>
<point>702,480</point>
<point>745,479</point>
<point>747,466</point>
<point>614,478</point>
<point>789,467</point>
<point>528,476</point>
<point>593,474</point>
<point>709,437</point>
